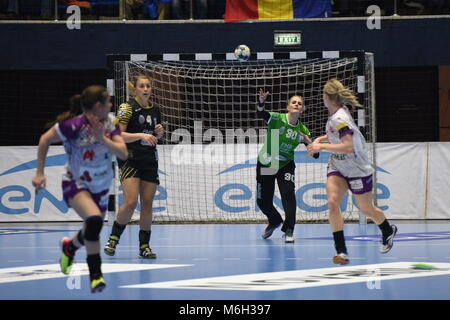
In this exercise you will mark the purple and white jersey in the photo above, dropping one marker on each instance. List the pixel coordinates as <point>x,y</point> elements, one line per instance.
<point>355,164</point>
<point>89,161</point>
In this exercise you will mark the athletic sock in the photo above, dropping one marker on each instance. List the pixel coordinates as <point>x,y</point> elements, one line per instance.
<point>339,242</point>
<point>144,237</point>
<point>385,228</point>
<point>94,262</point>
<point>71,248</point>
<point>117,229</point>
<point>76,243</point>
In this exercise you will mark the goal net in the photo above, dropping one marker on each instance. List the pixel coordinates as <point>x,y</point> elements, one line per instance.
<point>207,158</point>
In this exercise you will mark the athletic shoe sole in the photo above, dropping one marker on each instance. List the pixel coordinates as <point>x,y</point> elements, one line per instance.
<point>340,260</point>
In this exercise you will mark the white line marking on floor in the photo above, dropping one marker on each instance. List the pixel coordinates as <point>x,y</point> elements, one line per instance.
<point>16,260</point>
<point>231,258</point>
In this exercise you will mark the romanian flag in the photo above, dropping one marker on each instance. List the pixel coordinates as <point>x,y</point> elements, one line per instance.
<point>276,9</point>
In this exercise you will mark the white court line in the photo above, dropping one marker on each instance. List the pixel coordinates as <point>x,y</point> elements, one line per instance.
<point>16,260</point>
<point>231,258</point>
<point>50,271</point>
<point>200,259</point>
<point>298,279</point>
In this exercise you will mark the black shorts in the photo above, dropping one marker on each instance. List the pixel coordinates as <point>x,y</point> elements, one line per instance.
<point>149,174</point>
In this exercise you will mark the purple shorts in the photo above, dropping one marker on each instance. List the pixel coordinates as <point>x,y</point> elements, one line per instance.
<point>71,188</point>
<point>356,185</point>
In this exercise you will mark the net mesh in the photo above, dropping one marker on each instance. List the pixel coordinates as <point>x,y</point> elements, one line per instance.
<point>207,159</point>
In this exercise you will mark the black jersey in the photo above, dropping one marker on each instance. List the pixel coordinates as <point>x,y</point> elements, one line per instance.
<point>140,119</point>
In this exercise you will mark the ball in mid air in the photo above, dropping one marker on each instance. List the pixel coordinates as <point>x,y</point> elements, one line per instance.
<point>242,52</point>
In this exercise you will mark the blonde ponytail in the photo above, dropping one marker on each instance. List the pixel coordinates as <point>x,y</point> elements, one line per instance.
<point>336,91</point>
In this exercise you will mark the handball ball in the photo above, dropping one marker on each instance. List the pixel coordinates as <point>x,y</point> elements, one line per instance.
<point>242,52</point>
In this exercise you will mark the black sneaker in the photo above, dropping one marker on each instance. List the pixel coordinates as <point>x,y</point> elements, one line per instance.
<point>388,243</point>
<point>269,230</point>
<point>146,252</point>
<point>110,247</point>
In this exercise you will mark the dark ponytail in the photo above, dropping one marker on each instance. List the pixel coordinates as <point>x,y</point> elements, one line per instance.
<point>84,102</point>
<point>75,109</point>
<point>91,95</point>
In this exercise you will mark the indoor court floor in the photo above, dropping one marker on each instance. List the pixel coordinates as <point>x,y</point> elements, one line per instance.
<point>232,262</point>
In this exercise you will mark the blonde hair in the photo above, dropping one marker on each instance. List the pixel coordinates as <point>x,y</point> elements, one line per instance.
<point>336,91</point>
<point>131,85</point>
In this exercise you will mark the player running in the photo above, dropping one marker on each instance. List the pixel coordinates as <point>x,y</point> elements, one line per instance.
<point>348,168</point>
<point>90,140</point>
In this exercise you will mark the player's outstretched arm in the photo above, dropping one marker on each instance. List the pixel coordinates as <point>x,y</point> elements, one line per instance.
<point>49,137</point>
<point>345,147</point>
<point>261,113</point>
<point>306,140</point>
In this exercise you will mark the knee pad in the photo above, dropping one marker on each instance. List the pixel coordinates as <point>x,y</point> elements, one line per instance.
<point>94,225</point>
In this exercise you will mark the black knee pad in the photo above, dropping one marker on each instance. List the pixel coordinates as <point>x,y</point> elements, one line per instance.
<point>94,225</point>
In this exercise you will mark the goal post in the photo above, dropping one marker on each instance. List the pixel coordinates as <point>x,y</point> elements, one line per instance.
<point>207,158</point>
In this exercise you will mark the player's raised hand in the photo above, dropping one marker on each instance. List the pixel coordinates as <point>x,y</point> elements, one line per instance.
<point>263,95</point>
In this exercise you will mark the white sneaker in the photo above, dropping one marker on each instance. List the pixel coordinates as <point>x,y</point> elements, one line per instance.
<point>289,236</point>
<point>389,242</point>
<point>341,258</point>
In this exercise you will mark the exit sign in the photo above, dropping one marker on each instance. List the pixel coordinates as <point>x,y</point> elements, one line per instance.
<point>287,38</point>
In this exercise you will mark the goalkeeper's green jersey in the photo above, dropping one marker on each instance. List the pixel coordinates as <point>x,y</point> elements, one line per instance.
<point>288,138</point>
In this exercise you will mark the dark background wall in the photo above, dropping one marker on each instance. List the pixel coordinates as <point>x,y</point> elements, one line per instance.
<point>42,65</point>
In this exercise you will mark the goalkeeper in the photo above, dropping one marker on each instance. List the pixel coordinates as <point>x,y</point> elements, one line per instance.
<point>276,162</point>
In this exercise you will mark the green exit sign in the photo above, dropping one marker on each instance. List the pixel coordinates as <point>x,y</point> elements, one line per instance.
<point>287,38</point>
